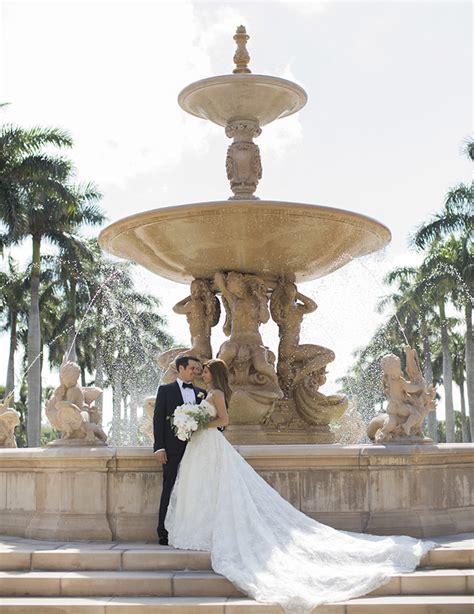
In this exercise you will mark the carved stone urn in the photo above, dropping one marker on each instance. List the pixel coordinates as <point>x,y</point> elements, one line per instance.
<point>244,256</point>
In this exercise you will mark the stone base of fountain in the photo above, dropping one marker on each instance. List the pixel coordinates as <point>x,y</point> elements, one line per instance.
<point>256,434</point>
<point>113,493</point>
<point>75,443</point>
<point>409,440</point>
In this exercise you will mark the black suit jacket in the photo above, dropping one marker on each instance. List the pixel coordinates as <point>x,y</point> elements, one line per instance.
<point>169,397</point>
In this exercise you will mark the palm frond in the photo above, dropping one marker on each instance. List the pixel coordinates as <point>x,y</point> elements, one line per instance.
<point>453,218</point>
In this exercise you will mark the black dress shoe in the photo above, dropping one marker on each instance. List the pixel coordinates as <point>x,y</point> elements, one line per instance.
<point>163,541</point>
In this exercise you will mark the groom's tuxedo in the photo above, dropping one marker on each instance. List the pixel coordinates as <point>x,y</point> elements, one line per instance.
<point>169,397</point>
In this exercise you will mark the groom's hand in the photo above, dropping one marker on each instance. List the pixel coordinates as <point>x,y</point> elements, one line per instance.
<point>161,456</point>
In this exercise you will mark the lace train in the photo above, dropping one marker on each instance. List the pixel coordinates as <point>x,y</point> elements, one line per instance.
<point>263,545</point>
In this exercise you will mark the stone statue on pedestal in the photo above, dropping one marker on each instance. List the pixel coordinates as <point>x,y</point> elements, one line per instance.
<point>71,410</point>
<point>202,310</point>
<point>409,402</point>
<point>251,365</point>
<point>301,367</point>
<point>9,419</point>
<point>147,423</point>
<point>288,308</point>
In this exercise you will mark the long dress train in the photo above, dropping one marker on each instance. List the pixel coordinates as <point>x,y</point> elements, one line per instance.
<point>263,545</point>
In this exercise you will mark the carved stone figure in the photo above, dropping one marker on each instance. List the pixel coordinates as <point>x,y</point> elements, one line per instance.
<point>288,308</point>
<point>243,163</point>
<point>251,364</point>
<point>70,410</point>
<point>166,362</point>
<point>9,419</point>
<point>302,367</point>
<point>202,310</point>
<point>409,402</point>
<point>148,410</point>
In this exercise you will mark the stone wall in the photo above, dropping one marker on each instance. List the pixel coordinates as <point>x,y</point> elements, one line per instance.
<point>113,493</point>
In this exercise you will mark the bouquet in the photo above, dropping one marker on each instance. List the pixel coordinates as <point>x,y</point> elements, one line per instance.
<point>188,418</point>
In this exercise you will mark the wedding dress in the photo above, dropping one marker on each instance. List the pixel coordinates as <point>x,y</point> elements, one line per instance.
<point>263,545</point>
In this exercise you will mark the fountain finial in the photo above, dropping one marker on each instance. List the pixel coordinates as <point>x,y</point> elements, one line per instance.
<point>241,56</point>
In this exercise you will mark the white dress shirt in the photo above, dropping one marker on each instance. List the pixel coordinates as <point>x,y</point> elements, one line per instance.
<point>187,394</point>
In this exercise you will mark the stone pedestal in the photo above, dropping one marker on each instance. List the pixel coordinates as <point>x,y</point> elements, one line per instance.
<point>114,493</point>
<point>258,434</point>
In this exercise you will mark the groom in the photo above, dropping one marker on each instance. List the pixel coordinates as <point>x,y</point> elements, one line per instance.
<point>167,447</point>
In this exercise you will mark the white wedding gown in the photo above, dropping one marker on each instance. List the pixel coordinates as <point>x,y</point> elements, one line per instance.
<point>263,545</point>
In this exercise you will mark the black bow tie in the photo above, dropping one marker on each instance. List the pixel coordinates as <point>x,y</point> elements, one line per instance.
<point>187,385</point>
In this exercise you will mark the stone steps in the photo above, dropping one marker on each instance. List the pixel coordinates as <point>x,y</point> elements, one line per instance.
<point>103,583</point>
<point>201,583</point>
<point>90,559</point>
<point>105,557</point>
<point>118,577</point>
<point>439,604</point>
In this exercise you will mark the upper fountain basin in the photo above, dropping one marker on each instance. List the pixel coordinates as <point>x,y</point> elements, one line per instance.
<point>260,98</point>
<point>267,238</point>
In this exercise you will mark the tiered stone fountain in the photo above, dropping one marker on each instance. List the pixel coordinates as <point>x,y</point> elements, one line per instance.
<point>252,253</point>
<point>248,254</point>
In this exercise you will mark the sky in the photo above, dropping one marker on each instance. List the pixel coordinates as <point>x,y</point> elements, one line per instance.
<point>389,104</point>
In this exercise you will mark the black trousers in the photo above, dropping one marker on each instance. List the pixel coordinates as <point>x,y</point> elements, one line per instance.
<point>170,471</point>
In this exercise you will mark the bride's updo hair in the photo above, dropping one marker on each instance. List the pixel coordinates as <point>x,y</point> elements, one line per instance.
<point>220,377</point>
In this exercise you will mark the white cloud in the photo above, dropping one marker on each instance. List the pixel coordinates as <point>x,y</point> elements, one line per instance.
<point>219,26</point>
<point>310,7</point>
<point>111,80</point>
<point>280,137</point>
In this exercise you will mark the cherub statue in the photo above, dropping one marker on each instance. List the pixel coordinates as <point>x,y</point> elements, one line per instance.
<point>70,409</point>
<point>409,402</point>
<point>9,419</point>
<point>148,411</point>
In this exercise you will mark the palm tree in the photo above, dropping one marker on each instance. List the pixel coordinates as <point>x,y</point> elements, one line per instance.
<point>55,219</point>
<point>448,270</point>
<point>120,333</point>
<point>29,180</point>
<point>23,164</point>
<point>132,336</point>
<point>457,219</point>
<point>440,286</point>
<point>458,353</point>
<point>14,290</point>
<point>76,254</point>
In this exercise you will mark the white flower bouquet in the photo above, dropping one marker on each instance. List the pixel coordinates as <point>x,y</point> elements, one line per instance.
<point>188,418</point>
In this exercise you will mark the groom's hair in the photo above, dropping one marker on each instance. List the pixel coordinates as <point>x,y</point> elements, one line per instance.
<point>183,361</point>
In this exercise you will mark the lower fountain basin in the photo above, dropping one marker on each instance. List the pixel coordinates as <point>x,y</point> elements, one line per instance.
<point>267,238</point>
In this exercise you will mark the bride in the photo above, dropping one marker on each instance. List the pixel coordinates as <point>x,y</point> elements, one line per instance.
<point>263,545</point>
